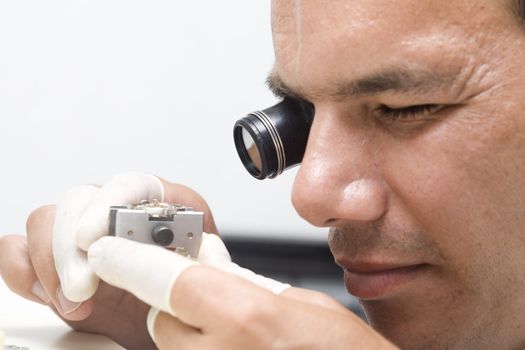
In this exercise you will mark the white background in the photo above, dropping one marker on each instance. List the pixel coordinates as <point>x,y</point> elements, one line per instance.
<point>89,89</point>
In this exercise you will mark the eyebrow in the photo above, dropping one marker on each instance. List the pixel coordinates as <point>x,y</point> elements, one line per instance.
<point>400,80</point>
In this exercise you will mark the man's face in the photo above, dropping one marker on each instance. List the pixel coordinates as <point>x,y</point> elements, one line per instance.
<point>416,159</point>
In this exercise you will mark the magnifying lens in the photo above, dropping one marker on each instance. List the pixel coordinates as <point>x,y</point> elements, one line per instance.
<point>274,139</point>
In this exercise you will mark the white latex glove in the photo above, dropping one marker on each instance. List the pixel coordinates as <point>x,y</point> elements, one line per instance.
<point>213,252</point>
<point>82,217</point>
<point>150,272</point>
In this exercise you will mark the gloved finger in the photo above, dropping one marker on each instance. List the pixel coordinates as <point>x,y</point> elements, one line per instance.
<point>272,285</point>
<point>147,271</point>
<point>39,242</point>
<point>170,282</point>
<point>77,279</point>
<point>213,252</point>
<point>126,188</point>
<point>17,271</point>
<point>168,332</point>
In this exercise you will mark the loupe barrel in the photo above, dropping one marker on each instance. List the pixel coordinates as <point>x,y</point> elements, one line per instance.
<point>273,140</point>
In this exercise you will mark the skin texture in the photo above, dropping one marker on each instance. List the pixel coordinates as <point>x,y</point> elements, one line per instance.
<point>444,189</point>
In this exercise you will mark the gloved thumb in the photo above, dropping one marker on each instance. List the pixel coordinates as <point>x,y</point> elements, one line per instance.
<point>213,252</point>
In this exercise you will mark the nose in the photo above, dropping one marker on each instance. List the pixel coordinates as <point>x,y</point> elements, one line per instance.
<point>340,179</point>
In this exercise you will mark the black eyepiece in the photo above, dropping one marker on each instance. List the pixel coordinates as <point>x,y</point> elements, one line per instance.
<point>273,140</point>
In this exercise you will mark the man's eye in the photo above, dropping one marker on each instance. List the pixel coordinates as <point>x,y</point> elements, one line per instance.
<point>419,112</point>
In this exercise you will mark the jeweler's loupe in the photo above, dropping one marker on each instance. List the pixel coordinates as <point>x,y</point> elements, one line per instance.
<point>274,139</point>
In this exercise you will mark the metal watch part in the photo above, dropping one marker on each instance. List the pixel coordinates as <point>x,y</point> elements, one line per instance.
<point>168,225</point>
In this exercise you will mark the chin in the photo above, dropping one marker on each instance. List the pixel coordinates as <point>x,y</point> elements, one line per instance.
<point>413,327</point>
<point>392,321</point>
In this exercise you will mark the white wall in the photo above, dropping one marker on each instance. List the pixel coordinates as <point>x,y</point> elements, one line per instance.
<point>89,89</point>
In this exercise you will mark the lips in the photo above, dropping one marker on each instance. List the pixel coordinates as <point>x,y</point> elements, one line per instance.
<point>367,280</point>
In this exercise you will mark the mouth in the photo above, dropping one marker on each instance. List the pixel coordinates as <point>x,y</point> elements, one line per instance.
<point>369,281</point>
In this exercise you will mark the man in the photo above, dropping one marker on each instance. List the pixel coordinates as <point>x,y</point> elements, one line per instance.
<point>415,161</point>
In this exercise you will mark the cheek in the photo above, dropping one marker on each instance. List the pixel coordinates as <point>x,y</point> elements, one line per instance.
<point>464,181</point>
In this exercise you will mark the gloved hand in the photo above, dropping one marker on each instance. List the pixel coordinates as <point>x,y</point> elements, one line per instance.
<point>141,268</point>
<point>51,259</point>
<point>82,217</point>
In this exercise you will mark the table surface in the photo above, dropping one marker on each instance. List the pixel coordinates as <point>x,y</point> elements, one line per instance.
<point>27,324</point>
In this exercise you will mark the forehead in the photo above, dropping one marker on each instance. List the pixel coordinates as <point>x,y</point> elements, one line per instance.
<point>317,38</point>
